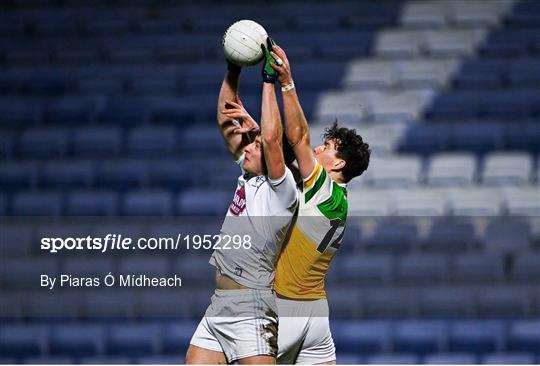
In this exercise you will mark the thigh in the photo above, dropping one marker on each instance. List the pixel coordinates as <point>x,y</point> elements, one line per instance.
<point>318,347</point>
<point>201,356</point>
<point>291,335</point>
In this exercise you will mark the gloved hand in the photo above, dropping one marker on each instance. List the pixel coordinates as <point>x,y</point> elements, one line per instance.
<point>268,73</point>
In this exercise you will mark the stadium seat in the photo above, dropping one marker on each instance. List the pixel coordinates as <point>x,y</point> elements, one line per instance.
<point>426,139</point>
<point>369,75</point>
<point>164,304</point>
<point>522,201</point>
<point>393,302</point>
<point>92,203</point>
<point>397,44</point>
<point>153,266</point>
<point>77,340</point>
<point>369,202</point>
<point>107,303</point>
<point>134,340</point>
<point>477,137</point>
<point>90,266</point>
<point>48,360</point>
<point>418,15</point>
<point>526,268</point>
<point>366,269</point>
<point>105,360</point>
<point>394,235</point>
<point>20,112</point>
<point>70,111</point>
<point>203,202</point>
<point>62,174</point>
<point>452,43</point>
<point>450,236</point>
<point>446,302</point>
<point>151,141</point>
<point>419,202</point>
<point>149,203</point>
<point>474,202</point>
<point>475,268</point>
<point>478,336</point>
<point>419,337</point>
<point>394,172</point>
<point>524,336</point>
<point>393,359</point>
<point>15,175</point>
<point>23,340</point>
<point>362,337</point>
<point>424,74</point>
<point>49,306</point>
<point>450,359</point>
<point>422,268</point>
<point>125,111</point>
<point>94,142</point>
<point>41,142</point>
<point>504,302</point>
<point>504,235</point>
<point>36,203</point>
<point>451,170</point>
<point>194,270</point>
<point>509,358</point>
<point>161,360</point>
<point>177,335</point>
<point>122,174</point>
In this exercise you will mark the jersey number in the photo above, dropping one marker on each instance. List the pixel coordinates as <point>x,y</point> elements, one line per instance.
<point>334,224</point>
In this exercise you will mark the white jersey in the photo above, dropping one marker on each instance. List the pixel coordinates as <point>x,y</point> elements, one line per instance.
<point>262,209</point>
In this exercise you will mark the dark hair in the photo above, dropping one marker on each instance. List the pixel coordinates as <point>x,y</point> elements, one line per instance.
<point>351,148</point>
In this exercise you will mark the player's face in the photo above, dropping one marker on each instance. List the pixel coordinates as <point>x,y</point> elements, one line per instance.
<point>326,154</point>
<point>253,158</point>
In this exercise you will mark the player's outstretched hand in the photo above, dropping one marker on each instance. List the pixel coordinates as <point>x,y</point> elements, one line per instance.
<point>269,74</point>
<point>236,112</point>
<point>281,65</point>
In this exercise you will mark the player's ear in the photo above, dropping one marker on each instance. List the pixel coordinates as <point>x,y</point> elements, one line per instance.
<point>339,164</point>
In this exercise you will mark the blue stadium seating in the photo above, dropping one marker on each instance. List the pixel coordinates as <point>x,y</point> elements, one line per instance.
<point>92,203</point>
<point>149,203</point>
<point>77,340</point>
<point>16,175</point>
<point>34,203</point>
<point>523,336</point>
<point>367,337</point>
<point>419,337</point>
<point>479,336</point>
<point>22,340</point>
<point>134,340</point>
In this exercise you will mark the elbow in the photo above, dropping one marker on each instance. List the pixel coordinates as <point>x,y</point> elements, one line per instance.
<point>299,138</point>
<point>271,138</point>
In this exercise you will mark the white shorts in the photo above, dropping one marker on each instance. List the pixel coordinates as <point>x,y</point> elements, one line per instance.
<point>304,332</point>
<point>239,323</point>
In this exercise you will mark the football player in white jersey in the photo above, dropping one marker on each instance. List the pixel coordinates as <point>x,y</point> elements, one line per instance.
<point>240,325</point>
<point>304,329</point>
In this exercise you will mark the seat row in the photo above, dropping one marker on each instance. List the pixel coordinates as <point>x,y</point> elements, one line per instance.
<point>358,338</point>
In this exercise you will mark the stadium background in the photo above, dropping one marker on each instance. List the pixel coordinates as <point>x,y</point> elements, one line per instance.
<point>107,108</point>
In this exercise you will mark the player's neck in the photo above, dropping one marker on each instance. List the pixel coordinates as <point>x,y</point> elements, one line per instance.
<point>336,176</point>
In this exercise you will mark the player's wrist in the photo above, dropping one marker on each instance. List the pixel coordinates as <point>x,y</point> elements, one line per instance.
<point>286,86</point>
<point>233,68</point>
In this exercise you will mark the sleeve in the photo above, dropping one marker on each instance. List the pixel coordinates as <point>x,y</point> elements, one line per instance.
<point>318,186</point>
<point>284,189</point>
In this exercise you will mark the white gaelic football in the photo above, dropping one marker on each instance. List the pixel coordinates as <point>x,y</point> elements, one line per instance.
<point>242,42</point>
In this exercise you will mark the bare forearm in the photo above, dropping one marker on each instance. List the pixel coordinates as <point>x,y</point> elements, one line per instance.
<point>228,91</point>
<point>296,126</point>
<point>271,132</point>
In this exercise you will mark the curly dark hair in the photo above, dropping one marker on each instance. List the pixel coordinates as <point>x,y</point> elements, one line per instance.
<point>351,148</point>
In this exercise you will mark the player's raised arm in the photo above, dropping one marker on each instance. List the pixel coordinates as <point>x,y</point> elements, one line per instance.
<point>296,126</point>
<point>230,113</point>
<point>271,130</point>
